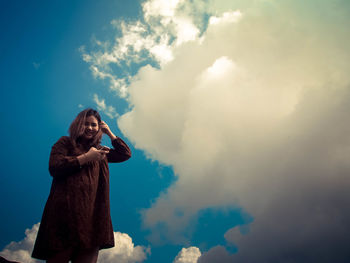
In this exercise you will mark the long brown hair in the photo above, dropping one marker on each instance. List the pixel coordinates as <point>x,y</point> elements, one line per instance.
<point>77,128</point>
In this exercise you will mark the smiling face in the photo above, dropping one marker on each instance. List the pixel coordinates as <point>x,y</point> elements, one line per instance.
<point>91,127</point>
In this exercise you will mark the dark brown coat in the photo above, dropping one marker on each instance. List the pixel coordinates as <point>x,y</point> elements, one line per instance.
<point>77,212</point>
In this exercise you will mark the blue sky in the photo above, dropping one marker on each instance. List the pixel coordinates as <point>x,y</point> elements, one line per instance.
<point>44,79</point>
<point>236,113</point>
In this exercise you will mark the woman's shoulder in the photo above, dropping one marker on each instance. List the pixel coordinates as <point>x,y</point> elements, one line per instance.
<point>64,141</point>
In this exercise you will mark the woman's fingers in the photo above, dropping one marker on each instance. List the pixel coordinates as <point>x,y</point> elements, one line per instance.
<point>104,151</point>
<point>104,127</point>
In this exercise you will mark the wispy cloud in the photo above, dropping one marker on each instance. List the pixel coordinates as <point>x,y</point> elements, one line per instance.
<point>151,40</point>
<point>110,111</point>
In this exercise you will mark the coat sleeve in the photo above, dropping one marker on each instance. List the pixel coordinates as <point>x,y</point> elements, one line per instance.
<point>120,151</point>
<point>60,164</point>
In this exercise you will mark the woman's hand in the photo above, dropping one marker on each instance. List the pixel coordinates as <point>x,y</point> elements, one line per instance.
<point>95,155</point>
<point>92,155</point>
<point>106,130</point>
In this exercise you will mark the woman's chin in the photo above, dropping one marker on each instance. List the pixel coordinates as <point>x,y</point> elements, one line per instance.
<point>88,137</point>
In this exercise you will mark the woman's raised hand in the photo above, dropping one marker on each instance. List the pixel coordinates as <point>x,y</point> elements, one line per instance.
<point>106,130</point>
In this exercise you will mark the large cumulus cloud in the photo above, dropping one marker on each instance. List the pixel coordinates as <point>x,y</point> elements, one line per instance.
<point>301,214</point>
<point>253,113</point>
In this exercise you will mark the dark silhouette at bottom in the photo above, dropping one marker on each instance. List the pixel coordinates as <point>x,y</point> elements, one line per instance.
<point>4,260</point>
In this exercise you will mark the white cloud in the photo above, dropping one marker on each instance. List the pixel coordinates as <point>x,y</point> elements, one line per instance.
<point>220,67</point>
<point>124,251</point>
<point>166,26</point>
<point>162,8</point>
<point>188,255</point>
<point>119,85</point>
<point>227,17</point>
<point>186,30</point>
<point>254,114</point>
<point>21,251</point>
<point>162,52</point>
<point>110,111</point>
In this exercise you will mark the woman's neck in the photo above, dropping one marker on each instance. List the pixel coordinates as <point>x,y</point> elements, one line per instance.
<point>84,143</point>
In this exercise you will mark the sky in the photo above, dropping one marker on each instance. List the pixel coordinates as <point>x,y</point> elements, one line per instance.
<point>236,113</point>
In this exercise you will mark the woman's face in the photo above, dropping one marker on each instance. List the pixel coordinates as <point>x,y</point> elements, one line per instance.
<point>91,127</point>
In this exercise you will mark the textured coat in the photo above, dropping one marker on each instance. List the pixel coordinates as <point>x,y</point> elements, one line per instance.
<point>77,212</point>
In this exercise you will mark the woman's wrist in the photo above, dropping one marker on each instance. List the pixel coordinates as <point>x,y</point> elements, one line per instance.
<point>111,135</point>
<point>82,159</point>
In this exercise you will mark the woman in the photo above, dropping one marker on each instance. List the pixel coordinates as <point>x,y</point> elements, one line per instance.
<point>76,222</point>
